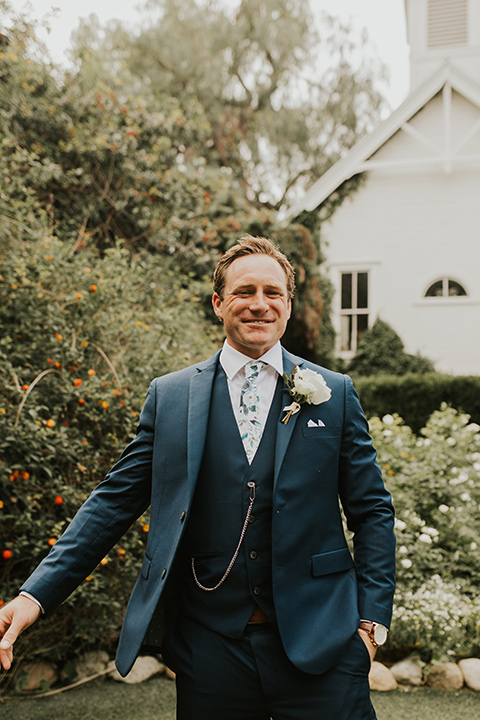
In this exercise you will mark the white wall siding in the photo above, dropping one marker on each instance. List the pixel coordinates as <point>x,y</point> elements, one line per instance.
<point>410,229</point>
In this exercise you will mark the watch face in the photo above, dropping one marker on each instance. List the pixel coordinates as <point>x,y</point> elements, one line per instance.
<point>380,633</point>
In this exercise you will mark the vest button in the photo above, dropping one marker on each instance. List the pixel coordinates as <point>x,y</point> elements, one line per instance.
<point>253,555</point>
<point>251,519</point>
<point>256,590</point>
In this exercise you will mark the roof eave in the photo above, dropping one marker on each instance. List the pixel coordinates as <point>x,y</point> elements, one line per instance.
<point>350,165</point>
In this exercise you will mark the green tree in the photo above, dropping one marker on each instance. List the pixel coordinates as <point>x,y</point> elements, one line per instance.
<point>272,124</point>
<point>277,119</point>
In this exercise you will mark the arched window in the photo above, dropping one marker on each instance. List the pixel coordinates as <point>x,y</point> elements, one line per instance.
<point>445,287</point>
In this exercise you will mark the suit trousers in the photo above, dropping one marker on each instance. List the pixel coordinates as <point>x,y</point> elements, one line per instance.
<point>251,678</point>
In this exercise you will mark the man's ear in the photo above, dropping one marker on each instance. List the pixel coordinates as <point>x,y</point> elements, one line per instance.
<point>217,305</point>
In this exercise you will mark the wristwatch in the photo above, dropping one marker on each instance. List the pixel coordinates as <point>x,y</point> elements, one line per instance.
<point>376,632</point>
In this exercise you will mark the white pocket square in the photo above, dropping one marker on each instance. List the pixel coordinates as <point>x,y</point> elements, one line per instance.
<point>313,423</point>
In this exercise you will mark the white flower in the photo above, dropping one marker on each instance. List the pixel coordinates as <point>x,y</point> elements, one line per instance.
<point>451,441</point>
<point>403,550</point>
<point>473,546</point>
<point>425,538</point>
<point>443,508</point>
<point>399,524</point>
<point>305,386</point>
<point>311,386</point>
<point>465,497</point>
<point>473,428</point>
<point>406,563</point>
<point>388,419</point>
<point>430,531</point>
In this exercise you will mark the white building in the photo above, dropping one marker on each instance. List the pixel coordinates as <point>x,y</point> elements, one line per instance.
<point>405,246</point>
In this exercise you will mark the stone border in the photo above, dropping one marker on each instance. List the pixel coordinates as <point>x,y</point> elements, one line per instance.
<point>411,672</point>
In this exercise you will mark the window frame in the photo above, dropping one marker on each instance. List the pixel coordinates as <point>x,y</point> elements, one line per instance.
<point>445,295</point>
<point>354,312</point>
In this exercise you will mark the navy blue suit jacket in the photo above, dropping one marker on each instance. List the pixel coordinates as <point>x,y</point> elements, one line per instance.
<point>320,591</point>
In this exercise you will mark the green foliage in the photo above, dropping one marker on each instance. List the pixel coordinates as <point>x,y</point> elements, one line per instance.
<point>381,350</point>
<point>82,337</point>
<point>95,156</point>
<point>273,121</point>
<point>416,397</point>
<point>256,69</point>
<point>434,481</point>
<point>436,620</point>
<point>309,332</point>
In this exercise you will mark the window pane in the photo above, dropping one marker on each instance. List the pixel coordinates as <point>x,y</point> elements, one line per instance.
<point>346,332</point>
<point>346,291</point>
<point>362,290</point>
<point>454,288</point>
<point>362,326</point>
<point>435,290</point>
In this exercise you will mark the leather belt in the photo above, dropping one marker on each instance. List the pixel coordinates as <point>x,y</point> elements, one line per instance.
<point>258,616</point>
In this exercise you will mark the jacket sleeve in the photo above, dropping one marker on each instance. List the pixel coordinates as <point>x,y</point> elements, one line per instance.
<point>369,512</point>
<point>105,516</point>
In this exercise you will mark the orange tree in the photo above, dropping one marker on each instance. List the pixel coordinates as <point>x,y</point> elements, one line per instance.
<point>86,319</point>
<point>81,338</point>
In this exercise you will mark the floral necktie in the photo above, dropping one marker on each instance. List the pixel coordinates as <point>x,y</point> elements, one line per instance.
<point>250,426</point>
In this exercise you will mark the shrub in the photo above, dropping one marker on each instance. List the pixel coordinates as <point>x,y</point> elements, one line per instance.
<point>381,350</point>
<point>82,337</point>
<point>415,397</point>
<point>436,621</point>
<point>434,481</point>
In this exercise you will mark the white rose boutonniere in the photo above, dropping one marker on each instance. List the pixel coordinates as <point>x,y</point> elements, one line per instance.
<point>305,386</point>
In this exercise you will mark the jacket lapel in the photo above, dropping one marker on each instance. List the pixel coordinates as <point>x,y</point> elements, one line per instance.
<point>284,432</point>
<point>200,395</point>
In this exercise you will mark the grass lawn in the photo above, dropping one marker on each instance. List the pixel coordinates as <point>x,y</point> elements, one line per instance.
<point>156,699</point>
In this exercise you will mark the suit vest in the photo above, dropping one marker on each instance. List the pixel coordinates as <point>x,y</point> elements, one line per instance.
<point>216,519</point>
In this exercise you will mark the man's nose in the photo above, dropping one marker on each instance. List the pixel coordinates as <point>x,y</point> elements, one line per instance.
<point>259,302</point>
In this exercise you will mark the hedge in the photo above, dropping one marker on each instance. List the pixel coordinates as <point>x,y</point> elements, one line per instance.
<point>416,396</point>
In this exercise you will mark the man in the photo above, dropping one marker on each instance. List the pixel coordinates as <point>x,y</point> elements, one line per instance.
<point>247,584</point>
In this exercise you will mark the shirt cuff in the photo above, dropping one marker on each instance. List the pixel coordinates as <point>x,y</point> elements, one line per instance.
<point>30,597</point>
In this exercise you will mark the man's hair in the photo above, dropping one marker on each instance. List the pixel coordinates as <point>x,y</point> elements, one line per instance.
<point>250,245</point>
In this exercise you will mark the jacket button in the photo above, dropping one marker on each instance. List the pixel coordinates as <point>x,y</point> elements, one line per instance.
<point>253,555</point>
<point>256,590</point>
<point>164,572</point>
<point>251,519</point>
<point>182,516</point>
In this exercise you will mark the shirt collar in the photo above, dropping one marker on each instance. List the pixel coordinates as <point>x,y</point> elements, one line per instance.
<point>232,360</point>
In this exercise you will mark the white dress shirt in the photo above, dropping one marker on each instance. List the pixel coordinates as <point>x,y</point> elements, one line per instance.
<point>233,362</point>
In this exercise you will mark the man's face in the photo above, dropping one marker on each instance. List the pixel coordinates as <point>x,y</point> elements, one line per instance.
<point>255,307</point>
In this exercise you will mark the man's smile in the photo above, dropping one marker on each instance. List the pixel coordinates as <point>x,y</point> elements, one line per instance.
<point>258,322</point>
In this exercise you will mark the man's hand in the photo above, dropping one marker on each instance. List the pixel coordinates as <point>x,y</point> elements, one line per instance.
<point>15,617</point>
<point>370,646</point>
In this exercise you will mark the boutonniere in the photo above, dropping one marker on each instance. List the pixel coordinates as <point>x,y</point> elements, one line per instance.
<point>305,386</point>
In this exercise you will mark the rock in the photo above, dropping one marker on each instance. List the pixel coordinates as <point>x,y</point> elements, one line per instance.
<point>446,676</point>
<point>144,668</point>
<point>381,678</point>
<point>91,663</point>
<point>470,668</point>
<point>408,672</point>
<point>37,673</point>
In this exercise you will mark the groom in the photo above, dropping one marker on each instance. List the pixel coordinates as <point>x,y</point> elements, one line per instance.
<point>247,584</point>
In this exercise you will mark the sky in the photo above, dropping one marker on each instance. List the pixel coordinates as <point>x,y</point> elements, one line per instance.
<point>384,21</point>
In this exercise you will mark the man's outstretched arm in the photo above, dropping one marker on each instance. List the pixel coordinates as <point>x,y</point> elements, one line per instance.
<point>15,617</point>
